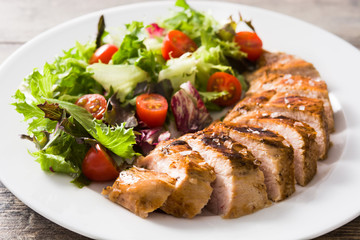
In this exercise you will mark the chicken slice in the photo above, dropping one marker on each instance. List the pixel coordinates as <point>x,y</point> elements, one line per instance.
<point>193,176</point>
<point>297,85</point>
<point>140,190</point>
<point>273,151</point>
<point>239,187</point>
<point>300,136</point>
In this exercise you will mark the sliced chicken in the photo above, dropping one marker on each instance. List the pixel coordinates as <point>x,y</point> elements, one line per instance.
<point>193,176</point>
<point>307,110</point>
<point>249,103</point>
<point>297,85</point>
<point>239,187</point>
<point>273,151</point>
<point>140,190</point>
<point>282,63</point>
<point>300,135</point>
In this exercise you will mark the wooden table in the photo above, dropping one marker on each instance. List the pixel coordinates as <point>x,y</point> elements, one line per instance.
<point>21,20</point>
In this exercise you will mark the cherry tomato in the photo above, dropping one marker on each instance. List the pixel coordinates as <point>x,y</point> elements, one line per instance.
<point>94,104</point>
<point>176,43</point>
<point>151,109</point>
<point>221,81</point>
<point>98,165</point>
<point>103,54</point>
<point>249,43</point>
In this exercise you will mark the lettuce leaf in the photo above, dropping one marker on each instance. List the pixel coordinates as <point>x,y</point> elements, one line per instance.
<point>64,78</point>
<point>189,21</point>
<point>130,45</point>
<point>121,78</point>
<point>133,51</point>
<point>37,123</point>
<point>210,96</point>
<point>64,155</point>
<point>117,139</point>
<point>179,70</point>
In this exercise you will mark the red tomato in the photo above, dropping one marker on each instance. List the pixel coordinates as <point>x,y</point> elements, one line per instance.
<point>249,43</point>
<point>98,165</point>
<point>221,81</point>
<point>103,54</point>
<point>151,109</point>
<point>176,43</point>
<point>94,104</point>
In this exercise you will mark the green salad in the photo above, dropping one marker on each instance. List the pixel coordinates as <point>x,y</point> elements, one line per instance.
<point>101,104</point>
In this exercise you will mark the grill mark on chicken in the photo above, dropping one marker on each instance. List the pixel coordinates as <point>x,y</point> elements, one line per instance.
<point>178,142</point>
<point>175,146</point>
<point>266,136</point>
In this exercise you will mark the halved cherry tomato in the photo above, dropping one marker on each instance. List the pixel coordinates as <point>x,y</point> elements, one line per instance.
<point>151,109</point>
<point>98,165</point>
<point>103,54</point>
<point>221,81</point>
<point>176,43</point>
<point>94,104</point>
<point>249,43</point>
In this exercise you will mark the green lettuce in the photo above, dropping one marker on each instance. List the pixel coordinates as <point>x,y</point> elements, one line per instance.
<point>179,70</point>
<point>118,139</point>
<point>121,78</point>
<point>63,155</point>
<point>65,78</point>
<point>193,23</point>
<point>133,51</point>
<point>210,96</point>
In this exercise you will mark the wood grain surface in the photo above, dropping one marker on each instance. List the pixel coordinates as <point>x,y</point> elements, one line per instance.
<point>21,20</point>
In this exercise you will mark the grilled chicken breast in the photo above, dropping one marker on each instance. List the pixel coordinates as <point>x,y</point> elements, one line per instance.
<point>250,103</point>
<point>300,136</point>
<point>140,190</point>
<point>297,85</point>
<point>273,136</point>
<point>239,187</point>
<point>193,176</point>
<point>307,110</point>
<point>282,63</point>
<point>273,151</point>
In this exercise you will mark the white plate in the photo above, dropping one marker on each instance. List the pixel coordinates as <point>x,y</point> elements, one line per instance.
<point>331,199</point>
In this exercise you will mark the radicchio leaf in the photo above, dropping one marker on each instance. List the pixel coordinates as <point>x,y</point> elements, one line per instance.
<point>147,139</point>
<point>189,110</point>
<point>116,114</point>
<point>155,31</point>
